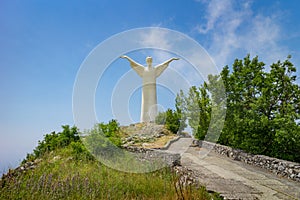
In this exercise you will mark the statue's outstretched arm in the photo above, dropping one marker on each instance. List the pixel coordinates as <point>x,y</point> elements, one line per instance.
<point>135,66</point>
<point>161,67</point>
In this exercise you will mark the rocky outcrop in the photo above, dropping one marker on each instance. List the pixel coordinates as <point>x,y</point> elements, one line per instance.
<point>19,170</point>
<point>143,133</point>
<point>186,176</point>
<point>277,166</point>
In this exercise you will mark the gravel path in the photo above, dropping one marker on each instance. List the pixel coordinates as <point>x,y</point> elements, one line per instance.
<point>233,179</point>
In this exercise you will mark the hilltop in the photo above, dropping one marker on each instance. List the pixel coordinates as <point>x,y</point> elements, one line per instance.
<point>60,167</point>
<point>146,135</point>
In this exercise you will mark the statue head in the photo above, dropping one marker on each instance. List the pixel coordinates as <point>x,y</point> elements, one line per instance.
<point>149,61</point>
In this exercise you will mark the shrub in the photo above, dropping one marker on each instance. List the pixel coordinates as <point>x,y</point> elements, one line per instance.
<point>172,120</point>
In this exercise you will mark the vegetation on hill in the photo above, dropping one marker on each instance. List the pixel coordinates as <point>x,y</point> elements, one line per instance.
<point>262,107</point>
<point>174,121</point>
<point>60,167</point>
<point>68,137</point>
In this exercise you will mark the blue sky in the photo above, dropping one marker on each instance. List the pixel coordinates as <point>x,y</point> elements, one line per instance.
<point>43,44</point>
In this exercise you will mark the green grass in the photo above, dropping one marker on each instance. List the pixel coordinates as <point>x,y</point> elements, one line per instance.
<point>65,169</point>
<point>59,175</point>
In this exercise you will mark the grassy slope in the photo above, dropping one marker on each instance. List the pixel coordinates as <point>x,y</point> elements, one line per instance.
<point>59,176</point>
<point>60,167</point>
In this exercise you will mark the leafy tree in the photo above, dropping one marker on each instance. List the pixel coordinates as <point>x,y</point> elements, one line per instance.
<point>161,118</point>
<point>197,107</point>
<point>172,120</point>
<point>180,105</point>
<point>217,95</point>
<point>243,127</point>
<point>198,110</point>
<point>283,96</point>
<point>262,108</point>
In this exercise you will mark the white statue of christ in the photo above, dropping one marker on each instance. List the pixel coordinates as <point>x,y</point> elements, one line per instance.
<point>149,75</point>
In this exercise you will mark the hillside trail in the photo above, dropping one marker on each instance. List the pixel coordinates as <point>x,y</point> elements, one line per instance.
<point>233,179</point>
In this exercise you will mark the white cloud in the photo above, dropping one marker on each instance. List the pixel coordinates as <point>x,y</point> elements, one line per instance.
<point>155,38</point>
<point>235,29</point>
<point>215,10</point>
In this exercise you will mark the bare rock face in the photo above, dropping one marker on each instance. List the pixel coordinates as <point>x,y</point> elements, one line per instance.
<point>143,133</point>
<point>145,140</point>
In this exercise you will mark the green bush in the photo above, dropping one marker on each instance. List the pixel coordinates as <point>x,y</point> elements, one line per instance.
<point>70,136</point>
<point>111,131</point>
<point>172,120</point>
<point>55,141</point>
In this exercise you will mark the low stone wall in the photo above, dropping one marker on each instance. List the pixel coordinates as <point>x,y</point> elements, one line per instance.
<point>170,159</point>
<point>279,167</point>
<point>169,143</point>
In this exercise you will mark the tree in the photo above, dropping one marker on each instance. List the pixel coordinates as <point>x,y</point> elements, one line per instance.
<point>243,127</point>
<point>262,108</point>
<point>180,105</point>
<point>216,90</point>
<point>172,120</point>
<point>198,110</point>
<point>283,109</point>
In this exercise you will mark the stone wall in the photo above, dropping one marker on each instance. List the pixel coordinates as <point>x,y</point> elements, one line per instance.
<point>169,143</point>
<point>280,167</point>
<point>170,159</point>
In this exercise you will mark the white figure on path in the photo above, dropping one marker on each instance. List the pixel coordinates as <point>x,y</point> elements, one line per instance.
<point>149,75</point>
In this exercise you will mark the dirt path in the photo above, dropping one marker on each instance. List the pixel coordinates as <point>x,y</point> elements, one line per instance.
<point>234,179</point>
